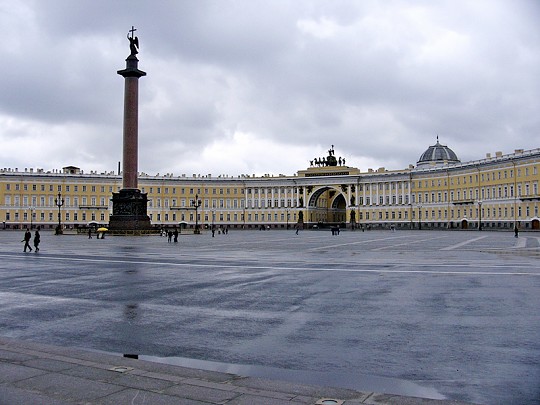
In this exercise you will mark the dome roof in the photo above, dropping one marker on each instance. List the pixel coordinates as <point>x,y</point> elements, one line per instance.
<point>438,154</point>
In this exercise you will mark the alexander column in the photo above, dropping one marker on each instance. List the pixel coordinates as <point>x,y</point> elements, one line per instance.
<point>129,204</point>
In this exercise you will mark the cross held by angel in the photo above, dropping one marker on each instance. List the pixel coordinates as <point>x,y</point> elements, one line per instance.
<point>133,42</point>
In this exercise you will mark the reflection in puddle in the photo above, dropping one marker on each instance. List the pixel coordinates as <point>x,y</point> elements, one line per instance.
<point>131,312</point>
<point>334,379</point>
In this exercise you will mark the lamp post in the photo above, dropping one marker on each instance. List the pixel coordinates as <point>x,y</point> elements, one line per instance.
<point>479,215</point>
<point>196,203</point>
<point>288,213</point>
<point>59,202</point>
<point>419,217</point>
<point>31,216</point>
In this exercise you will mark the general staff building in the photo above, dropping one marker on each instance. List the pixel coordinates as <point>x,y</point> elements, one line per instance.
<point>499,191</point>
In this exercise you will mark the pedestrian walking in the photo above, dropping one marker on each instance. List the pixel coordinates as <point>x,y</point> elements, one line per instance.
<point>89,233</point>
<point>37,239</point>
<point>169,236</point>
<point>516,231</point>
<point>175,235</point>
<point>26,240</point>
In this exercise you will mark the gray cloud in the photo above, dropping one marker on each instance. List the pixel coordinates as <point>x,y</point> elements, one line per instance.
<point>378,80</point>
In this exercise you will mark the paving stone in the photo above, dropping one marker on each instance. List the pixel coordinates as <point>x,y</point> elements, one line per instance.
<point>297,389</point>
<point>182,371</point>
<point>48,365</point>
<point>14,356</point>
<point>160,376</point>
<point>142,382</point>
<point>12,395</point>
<point>93,373</point>
<point>137,397</point>
<point>210,384</point>
<point>201,393</point>
<point>387,399</point>
<point>247,399</point>
<point>68,388</point>
<point>15,372</point>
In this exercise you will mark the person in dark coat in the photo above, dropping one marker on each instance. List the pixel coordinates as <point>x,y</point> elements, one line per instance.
<point>26,240</point>
<point>37,239</point>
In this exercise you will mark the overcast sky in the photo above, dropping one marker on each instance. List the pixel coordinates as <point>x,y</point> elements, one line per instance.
<point>256,87</point>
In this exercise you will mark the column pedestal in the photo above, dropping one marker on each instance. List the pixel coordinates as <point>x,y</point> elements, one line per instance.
<point>129,211</point>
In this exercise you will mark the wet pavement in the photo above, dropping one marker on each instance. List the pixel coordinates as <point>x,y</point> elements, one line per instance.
<point>430,314</point>
<point>33,373</point>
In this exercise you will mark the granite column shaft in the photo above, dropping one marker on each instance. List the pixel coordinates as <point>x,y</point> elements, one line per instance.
<point>131,133</point>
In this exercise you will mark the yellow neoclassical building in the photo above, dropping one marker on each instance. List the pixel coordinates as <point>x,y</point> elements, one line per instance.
<point>499,191</point>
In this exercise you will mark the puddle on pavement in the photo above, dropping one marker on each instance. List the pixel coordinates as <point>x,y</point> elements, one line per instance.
<point>366,383</point>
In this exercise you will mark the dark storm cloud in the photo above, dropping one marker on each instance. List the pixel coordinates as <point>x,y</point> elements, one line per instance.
<point>380,80</point>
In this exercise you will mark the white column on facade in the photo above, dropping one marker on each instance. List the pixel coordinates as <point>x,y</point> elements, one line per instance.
<point>288,194</point>
<point>363,194</point>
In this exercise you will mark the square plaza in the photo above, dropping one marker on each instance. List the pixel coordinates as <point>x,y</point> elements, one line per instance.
<point>440,314</point>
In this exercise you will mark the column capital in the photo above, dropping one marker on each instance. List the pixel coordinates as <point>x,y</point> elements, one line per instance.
<point>131,69</point>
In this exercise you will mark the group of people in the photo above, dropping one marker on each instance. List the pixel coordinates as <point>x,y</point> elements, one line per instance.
<point>99,235</point>
<point>224,231</point>
<point>170,234</point>
<point>28,238</point>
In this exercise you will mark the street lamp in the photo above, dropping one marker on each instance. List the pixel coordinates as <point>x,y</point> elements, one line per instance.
<point>59,202</point>
<point>288,213</point>
<point>31,216</point>
<point>479,215</point>
<point>419,217</point>
<point>196,203</point>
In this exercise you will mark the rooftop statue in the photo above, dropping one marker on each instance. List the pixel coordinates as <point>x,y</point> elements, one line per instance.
<point>133,42</point>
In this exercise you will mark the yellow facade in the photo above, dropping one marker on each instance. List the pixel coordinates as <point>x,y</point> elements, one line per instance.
<point>495,193</point>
